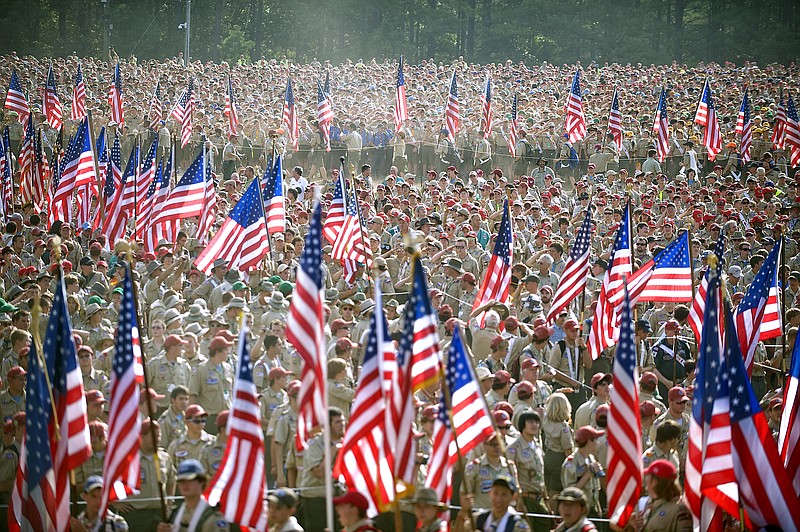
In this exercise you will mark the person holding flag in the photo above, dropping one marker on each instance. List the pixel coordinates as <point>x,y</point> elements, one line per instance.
<point>195,514</point>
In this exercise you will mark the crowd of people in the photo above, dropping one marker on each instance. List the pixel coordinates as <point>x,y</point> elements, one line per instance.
<point>417,192</point>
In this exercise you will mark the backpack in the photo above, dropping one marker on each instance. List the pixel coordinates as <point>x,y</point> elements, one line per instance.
<point>527,155</point>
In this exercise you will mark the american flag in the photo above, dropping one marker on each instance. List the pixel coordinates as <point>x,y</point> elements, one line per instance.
<point>16,101</point>
<point>148,203</point>
<point>604,330</point>
<point>182,113</point>
<point>400,106</point>
<point>145,188</point>
<point>289,118</point>
<point>765,489</point>
<point>349,270</point>
<point>51,105</point>
<point>451,116</point>
<point>77,171</point>
<point>710,481</point>
<point>274,206</point>
<point>576,121</point>
<point>51,192</point>
<point>108,164</point>
<point>712,138</point>
<point>486,106</point>
<point>42,173</point>
<point>334,221</point>
<point>779,128</point>
<point>78,107</point>
<point>162,230</point>
<point>115,101</point>
<point>471,419</point>
<point>443,455</point>
<point>121,464</point>
<point>576,271</point>
<point>744,127</point>
<point>789,434</point>
<point>417,366</point>
<point>6,182</point>
<point>324,115</point>
<point>666,277</point>
<point>71,446</point>
<point>792,134</point>
<point>230,111</point>
<point>497,281</point>
<point>209,212</point>
<point>33,501</point>
<point>661,127</point>
<point>124,201</point>
<point>363,461</point>
<point>239,484</point>
<point>701,115</point>
<point>27,162</point>
<point>305,330</point>
<point>350,242</point>
<point>242,239</point>
<point>615,121</point>
<point>758,315</point>
<point>188,198</point>
<point>624,426</point>
<point>512,130</point>
<point>699,301</point>
<point>156,112</point>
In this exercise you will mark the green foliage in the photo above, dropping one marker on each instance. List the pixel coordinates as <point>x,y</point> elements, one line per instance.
<point>646,31</point>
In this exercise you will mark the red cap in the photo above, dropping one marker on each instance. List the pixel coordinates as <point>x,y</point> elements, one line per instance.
<point>338,324</point>
<point>775,402</point>
<point>542,333</point>
<point>277,373</point>
<point>602,410</point>
<point>505,406</point>
<point>524,389</point>
<point>677,394</point>
<point>584,434</point>
<point>597,378</point>
<point>503,376</point>
<point>354,498</point>
<point>222,418</point>
<point>662,469</point>
<point>344,343</point>
<point>194,411</point>
<point>173,340</point>
<point>98,428</point>
<point>570,325</point>
<point>529,363</point>
<point>672,325</point>
<point>648,378</point>
<point>468,277</point>
<point>94,397</point>
<point>647,409</point>
<point>501,418</point>
<point>224,333</point>
<point>16,371</point>
<point>219,342</point>
<point>293,388</point>
<point>496,341</point>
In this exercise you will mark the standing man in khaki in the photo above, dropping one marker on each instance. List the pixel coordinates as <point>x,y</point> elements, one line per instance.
<point>211,385</point>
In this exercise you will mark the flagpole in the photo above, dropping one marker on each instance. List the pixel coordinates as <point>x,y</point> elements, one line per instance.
<point>128,250</point>
<point>271,259</point>
<point>92,142</point>
<point>781,300</point>
<point>691,261</point>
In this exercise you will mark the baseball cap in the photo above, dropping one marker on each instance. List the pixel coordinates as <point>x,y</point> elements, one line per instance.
<point>501,418</point>
<point>647,409</point>
<point>648,378</point>
<point>572,495</point>
<point>503,376</point>
<point>173,340</point>
<point>529,363</point>
<point>662,469</point>
<point>92,483</point>
<point>672,325</point>
<point>284,496</point>
<point>584,434</point>
<point>191,469</point>
<point>597,378</point>
<point>222,418</point>
<point>94,397</point>
<point>525,389</point>
<point>483,373</point>
<point>677,394</point>
<point>277,373</point>
<point>195,411</point>
<point>505,481</point>
<point>354,498</point>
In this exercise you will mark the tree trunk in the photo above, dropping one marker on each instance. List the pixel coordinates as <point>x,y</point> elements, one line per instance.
<point>680,7</point>
<point>258,30</point>
<point>470,47</point>
<point>431,45</point>
<point>218,29</point>
<point>62,22</point>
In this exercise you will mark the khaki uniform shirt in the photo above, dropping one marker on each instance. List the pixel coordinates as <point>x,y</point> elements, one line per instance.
<point>173,426</point>
<point>270,400</point>
<point>529,459</point>
<point>215,522</point>
<point>653,453</point>
<point>585,414</point>
<point>573,468</point>
<point>92,466</point>
<point>211,456</point>
<point>164,375</point>
<point>184,448</point>
<point>479,475</point>
<point>667,516</point>
<point>558,436</point>
<point>313,487</point>
<point>213,386</point>
<point>9,460</point>
<point>149,482</point>
<point>10,405</point>
<point>94,380</point>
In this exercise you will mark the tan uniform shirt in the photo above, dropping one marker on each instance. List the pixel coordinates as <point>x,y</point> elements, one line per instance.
<point>479,475</point>
<point>173,426</point>
<point>184,448</point>
<point>149,482</point>
<point>164,375</point>
<point>529,459</point>
<point>213,385</point>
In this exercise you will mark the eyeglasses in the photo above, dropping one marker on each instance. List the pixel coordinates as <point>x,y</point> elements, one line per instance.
<point>461,247</point>
<point>198,420</point>
<point>347,308</point>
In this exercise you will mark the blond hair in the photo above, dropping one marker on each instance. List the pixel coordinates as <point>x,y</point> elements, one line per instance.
<point>557,408</point>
